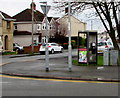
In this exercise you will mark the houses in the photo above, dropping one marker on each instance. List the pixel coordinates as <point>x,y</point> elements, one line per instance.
<point>6,31</point>
<point>76,25</point>
<point>23,26</point>
<point>18,29</point>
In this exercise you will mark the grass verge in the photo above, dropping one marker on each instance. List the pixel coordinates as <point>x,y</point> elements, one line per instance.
<point>9,53</point>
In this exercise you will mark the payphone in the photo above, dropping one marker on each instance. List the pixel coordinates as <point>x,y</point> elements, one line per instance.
<point>87,47</point>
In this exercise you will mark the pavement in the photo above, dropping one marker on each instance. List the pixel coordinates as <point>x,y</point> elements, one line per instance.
<point>36,69</point>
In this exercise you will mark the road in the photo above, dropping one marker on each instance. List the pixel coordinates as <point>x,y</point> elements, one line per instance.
<point>7,59</point>
<point>17,86</point>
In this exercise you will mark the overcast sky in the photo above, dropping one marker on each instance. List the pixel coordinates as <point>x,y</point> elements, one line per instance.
<point>13,7</point>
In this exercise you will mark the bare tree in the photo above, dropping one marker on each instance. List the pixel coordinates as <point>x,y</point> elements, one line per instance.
<point>106,11</point>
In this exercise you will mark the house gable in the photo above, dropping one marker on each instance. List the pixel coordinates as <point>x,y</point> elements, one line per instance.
<point>26,15</point>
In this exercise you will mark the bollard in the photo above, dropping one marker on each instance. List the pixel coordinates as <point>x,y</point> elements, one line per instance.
<point>106,57</point>
<point>114,57</point>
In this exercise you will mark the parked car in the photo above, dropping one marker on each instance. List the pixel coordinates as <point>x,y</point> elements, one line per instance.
<point>104,46</point>
<point>52,47</point>
<point>17,47</point>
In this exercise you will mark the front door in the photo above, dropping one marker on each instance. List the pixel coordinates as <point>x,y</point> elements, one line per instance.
<point>6,42</point>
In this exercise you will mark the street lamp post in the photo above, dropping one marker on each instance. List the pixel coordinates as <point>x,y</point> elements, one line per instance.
<point>32,27</point>
<point>69,35</point>
<point>45,9</point>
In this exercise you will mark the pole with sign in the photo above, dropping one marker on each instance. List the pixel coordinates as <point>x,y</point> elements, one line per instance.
<point>45,9</point>
<point>32,28</point>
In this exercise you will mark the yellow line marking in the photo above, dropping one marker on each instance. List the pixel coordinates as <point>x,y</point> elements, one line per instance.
<point>79,81</point>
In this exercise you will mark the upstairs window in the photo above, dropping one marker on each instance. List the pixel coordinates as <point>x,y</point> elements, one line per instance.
<point>50,27</point>
<point>8,25</point>
<point>15,27</point>
<point>43,27</point>
<point>38,27</point>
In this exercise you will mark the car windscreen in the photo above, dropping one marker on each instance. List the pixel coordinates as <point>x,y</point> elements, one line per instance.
<point>102,44</point>
<point>44,44</point>
<point>17,44</point>
<point>109,43</point>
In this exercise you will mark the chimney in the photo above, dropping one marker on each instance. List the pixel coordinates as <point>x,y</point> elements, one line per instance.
<point>34,6</point>
<point>66,10</point>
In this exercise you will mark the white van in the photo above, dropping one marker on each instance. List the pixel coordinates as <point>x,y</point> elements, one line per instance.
<point>104,46</point>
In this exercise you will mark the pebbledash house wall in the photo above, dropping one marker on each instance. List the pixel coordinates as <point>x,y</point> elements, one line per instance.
<point>26,26</point>
<point>24,40</point>
<point>76,25</point>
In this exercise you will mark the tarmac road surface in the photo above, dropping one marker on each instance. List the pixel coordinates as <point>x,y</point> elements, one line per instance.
<point>17,86</point>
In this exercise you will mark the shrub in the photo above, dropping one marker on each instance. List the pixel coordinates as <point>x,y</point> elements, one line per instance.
<point>73,43</point>
<point>65,45</point>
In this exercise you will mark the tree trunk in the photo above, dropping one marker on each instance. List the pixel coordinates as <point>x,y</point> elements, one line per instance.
<point>112,36</point>
<point>118,31</point>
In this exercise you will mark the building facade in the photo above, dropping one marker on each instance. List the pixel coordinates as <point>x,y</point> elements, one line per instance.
<point>23,26</point>
<point>76,25</point>
<point>6,31</point>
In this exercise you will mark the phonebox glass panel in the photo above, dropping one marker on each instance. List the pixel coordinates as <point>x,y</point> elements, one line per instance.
<point>87,47</point>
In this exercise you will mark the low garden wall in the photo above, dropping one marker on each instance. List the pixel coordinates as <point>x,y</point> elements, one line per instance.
<point>28,49</point>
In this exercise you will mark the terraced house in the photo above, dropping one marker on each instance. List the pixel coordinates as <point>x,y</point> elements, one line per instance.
<point>6,31</point>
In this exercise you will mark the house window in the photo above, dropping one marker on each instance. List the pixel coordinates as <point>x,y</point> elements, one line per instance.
<point>8,24</point>
<point>15,27</point>
<point>38,27</point>
<point>43,27</point>
<point>50,27</point>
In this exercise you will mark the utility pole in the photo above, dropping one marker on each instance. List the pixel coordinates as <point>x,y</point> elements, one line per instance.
<point>69,35</point>
<point>32,27</point>
<point>46,52</point>
<point>45,9</point>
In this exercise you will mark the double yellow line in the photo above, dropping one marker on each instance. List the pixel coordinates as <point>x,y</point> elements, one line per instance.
<point>58,80</point>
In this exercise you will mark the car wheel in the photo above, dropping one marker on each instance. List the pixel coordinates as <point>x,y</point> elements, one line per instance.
<point>52,51</point>
<point>61,51</point>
